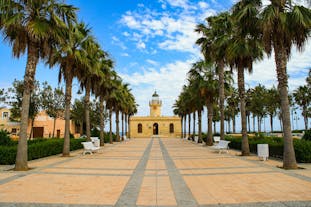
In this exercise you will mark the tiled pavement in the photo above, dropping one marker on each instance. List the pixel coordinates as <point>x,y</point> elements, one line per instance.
<point>155,172</point>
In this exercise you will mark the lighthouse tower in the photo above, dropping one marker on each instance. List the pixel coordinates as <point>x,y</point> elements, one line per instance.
<point>155,105</point>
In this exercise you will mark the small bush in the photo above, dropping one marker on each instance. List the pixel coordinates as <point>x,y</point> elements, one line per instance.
<point>307,135</point>
<point>303,150</point>
<point>5,138</point>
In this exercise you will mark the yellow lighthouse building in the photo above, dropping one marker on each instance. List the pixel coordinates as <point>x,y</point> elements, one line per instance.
<point>155,124</point>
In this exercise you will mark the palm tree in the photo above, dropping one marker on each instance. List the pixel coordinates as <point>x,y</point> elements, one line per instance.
<point>285,25</point>
<point>272,101</point>
<point>33,26</point>
<point>90,75</point>
<point>72,58</point>
<point>102,89</point>
<point>303,99</point>
<point>214,44</point>
<point>243,51</point>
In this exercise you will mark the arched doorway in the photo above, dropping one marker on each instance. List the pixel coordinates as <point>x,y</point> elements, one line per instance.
<point>155,129</point>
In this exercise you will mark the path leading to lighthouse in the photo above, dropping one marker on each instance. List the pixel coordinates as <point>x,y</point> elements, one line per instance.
<point>155,172</point>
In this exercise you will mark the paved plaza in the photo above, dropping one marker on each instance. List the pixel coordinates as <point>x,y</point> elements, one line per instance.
<point>155,172</point>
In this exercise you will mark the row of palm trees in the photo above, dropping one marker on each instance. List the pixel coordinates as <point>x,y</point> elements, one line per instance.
<point>48,30</point>
<point>236,39</point>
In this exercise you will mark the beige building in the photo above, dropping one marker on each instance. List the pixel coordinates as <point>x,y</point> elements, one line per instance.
<point>155,124</point>
<point>42,127</point>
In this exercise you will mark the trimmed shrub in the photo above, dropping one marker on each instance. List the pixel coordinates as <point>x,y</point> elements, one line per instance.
<point>303,151</point>
<point>307,135</point>
<point>276,145</point>
<point>5,138</point>
<point>37,149</point>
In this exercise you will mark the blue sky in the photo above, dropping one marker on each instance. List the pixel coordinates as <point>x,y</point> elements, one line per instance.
<point>152,44</point>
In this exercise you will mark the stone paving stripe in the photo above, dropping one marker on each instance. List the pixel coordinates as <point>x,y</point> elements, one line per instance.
<point>130,193</point>
<point>11,178</point>
<point>183,195</point>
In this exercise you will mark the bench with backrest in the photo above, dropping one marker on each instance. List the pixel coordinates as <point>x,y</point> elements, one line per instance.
<point>221,146</point>
<point>216,138</point>
<point>89,147</point>
<point>95,141</point>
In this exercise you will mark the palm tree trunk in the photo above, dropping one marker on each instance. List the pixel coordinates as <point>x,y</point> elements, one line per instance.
<point>189,124</point>
<point>126,118</point>
<point>193,123</point>
<point>117,125</point>
<point>249,123</point>
<point>101,121</point>
<point>31,128</point>
<point>229,125</point>
<point>289,159</point>
<point>110,126</point>
<point>214,127</point>
<point>185,124</point>
<point>305,117</point>
<point>221,66</point>
<point>241,86</point>
<point>271,122</point>
<point>122,125</point>
<point>66,148</point>
<point>87,110</point>
<point>29,78</point>
<point>233,124</point>
<point>54,124</point>
<point>182,128</point>
<point>209,140</point>
<point>258,124</point>
<point>81,129</point>
<point>254,123</point>
<point>200,124</point>
<point>129,125</point>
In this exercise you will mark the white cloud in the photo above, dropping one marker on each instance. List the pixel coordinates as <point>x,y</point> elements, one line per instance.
<point>125,55</point>
<point>152,62</point>
<point>141,45</point>
<point>203,5</point>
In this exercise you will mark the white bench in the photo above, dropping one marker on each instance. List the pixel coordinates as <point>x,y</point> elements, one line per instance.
<point>95,141</point>
<point>89,147</point>
<point>125,139</point>
<point>216,138</point>
<point>222,145</point>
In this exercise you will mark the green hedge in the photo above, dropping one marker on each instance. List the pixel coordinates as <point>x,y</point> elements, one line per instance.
<point>302,147</point>
<point>37,149</point>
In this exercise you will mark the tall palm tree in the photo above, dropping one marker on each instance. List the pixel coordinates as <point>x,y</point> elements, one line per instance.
<point>72,58</point>
<point>214,43</point>
<point>102,89</point>
<point>90,76</point>
<point>283,26</point>
<point>32,27</point>
<point>243,51</point>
